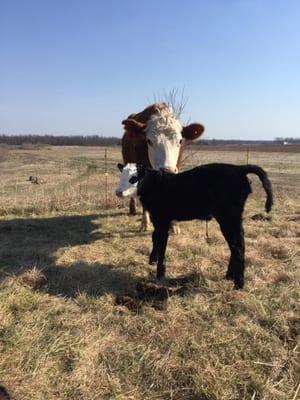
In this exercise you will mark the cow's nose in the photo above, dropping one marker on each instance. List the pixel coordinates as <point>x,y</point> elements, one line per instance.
<point>169,170</point>
<point>119,194</point>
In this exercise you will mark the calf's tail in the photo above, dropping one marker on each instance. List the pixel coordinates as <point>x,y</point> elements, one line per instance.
<point>255,169</point>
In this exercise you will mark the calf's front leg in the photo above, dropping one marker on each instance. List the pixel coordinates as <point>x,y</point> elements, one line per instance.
<point>145,221</point>
<point>132,206</point>
<point>159,240</point>
<point>153,254</point>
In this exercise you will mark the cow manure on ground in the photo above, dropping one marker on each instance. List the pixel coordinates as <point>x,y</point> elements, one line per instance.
<point>129,301</point>
<point>157,295</point>
<point>261,217</point>
<point>191,280</point>
<point>4,393</point>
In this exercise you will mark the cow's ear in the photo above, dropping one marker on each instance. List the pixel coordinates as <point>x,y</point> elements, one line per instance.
<point>192,131</point>
<point>133,125</point>
<point>146,114</point>
<point>120,166</point>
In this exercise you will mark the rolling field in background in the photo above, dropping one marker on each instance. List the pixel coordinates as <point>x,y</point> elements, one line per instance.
<point>69,250</point>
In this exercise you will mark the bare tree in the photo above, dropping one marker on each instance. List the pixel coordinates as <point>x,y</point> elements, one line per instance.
<point>175,99</point>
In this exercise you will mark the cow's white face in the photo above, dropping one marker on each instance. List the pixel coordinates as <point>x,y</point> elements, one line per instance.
<point>164,137</point>
<point>125,188</point>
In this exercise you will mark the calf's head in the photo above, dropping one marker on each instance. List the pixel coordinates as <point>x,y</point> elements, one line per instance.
<point>128,181</point>
<point>164,134</point>
<point>140,181</point>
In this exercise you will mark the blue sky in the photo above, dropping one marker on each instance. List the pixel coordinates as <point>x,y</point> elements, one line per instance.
<point>80,67</point>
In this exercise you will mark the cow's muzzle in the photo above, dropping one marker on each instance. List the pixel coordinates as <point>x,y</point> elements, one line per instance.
<point>169,170</point>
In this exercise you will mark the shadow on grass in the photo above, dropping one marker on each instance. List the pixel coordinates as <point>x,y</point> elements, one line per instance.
<point>113,214</point>
<point>28,247</point>
<point>34,241</point>
<point>91,279</point>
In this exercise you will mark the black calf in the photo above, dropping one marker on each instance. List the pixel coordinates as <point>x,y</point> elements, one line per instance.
<point>212,190</point>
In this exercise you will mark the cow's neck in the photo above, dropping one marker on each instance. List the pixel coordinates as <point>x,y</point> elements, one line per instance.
<point>180,156</point>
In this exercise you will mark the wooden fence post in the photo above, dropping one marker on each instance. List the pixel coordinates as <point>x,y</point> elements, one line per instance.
<point>106,175</point>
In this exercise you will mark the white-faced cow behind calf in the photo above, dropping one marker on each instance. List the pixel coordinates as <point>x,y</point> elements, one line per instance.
<point>156,139</point>
<point>210,191</point>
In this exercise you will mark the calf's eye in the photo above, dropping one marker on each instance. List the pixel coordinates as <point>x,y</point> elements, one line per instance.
<point>149,142</point>
<point>133,180</point>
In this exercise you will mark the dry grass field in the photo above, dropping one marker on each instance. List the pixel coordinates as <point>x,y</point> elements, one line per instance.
<point>69,250</point>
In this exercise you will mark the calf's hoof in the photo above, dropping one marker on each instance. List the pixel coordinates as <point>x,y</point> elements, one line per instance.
<point>132,213</point>
<point>239,283</point>
<point>144,227</point>
<point>174,229</point>
<point>152,259</point>
<point>229,276</point>
<point>160,275</point>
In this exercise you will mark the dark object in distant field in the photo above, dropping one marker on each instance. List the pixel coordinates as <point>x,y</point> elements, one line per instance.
<point>33,179</point>
<point>36,180</point>
<point>4,393</point>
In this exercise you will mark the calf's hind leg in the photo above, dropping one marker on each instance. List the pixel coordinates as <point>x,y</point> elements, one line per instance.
<point>233,232</point>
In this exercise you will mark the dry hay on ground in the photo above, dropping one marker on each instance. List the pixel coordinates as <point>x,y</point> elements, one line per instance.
<point>63,336</point>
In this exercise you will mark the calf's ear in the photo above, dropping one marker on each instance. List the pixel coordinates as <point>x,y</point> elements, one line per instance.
<point>192,131</point>
<point>131,124</point>
<point>120,166</point>
<point>141,171</point>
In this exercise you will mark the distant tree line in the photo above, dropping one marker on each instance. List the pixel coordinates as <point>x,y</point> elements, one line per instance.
<point>279,141</point>
<point>96,140</point>
<point>61,140</point>
<point>287,140</point>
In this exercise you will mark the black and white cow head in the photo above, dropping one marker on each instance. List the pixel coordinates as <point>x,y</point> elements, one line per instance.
<point>130,175</point>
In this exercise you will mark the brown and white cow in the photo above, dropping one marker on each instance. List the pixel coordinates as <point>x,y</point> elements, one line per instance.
<point>155,138</point>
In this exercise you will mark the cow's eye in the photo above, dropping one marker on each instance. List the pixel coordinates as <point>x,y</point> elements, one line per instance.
<point>180,141</point>
<point>149,142</point>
